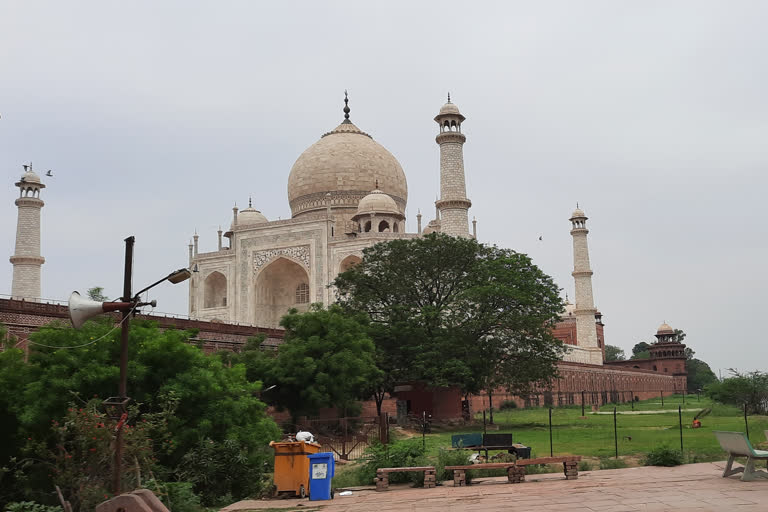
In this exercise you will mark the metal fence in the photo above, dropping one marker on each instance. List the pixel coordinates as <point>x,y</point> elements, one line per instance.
<point>348,438</point>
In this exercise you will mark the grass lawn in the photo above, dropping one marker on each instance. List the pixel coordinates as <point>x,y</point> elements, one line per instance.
<point>593,437</point>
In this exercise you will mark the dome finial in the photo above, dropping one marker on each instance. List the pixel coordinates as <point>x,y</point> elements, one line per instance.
<point>249,202</point>
<point>346,107</point>
<point>449,96</point>
<point>377,184</point>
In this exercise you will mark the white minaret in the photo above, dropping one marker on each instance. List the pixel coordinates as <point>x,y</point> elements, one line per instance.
<point>26,258</point>
<point>453,204</point>
<point>586,330</point>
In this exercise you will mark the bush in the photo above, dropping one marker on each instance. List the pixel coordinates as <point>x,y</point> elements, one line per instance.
<point>663,456</point>
<point>180,497</point>
<point>30,506</point>
<point>451,458</point>
<point>585,465</point>
<point>612,463</point>
<point>406,453</point>
<point>508,404</point>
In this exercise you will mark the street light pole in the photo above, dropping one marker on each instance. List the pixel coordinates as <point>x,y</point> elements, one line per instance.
<point>123,386</point>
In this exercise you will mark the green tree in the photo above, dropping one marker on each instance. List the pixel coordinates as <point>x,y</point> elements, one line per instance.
<point>326,360</point>
<point>97,293</point>
<point>452,312</point>
<point>700,375</point>
<point>614,353</point>
<point>742,389</point>
<point>210,399</point>
<point>640,351</point>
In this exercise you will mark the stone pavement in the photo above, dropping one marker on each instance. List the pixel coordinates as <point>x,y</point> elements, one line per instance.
<point>691,487</point>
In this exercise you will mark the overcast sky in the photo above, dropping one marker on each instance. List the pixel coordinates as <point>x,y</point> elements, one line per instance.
<point>156,117</point>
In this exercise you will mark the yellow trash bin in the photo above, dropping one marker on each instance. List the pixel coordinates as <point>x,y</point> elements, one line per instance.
<point>292,467</point>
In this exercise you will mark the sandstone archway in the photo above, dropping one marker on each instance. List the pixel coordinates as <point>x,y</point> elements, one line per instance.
<point>279,287</point>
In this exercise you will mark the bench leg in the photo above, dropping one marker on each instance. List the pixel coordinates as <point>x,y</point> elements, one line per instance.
<point>516,474</point>
<point>430,479</point>
<point>459,478</point>
<point>571,470</point>
<point>382,481</point>
<point>728,471</point>
<point>750,473</point>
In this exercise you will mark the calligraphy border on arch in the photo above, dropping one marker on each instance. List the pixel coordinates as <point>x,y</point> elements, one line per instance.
<point>299,254</point>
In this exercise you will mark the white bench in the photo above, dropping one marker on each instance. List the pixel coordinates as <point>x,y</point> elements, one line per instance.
<point>737,445</point>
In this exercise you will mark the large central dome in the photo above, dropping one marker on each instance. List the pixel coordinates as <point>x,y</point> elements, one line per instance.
<point>347,164</point>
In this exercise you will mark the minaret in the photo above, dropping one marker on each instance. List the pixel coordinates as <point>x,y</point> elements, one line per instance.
<point>586,329</point>
<point>453,203</point>
<point>26,259</point>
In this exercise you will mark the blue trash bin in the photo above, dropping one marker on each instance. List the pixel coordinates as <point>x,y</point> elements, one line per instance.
<point>321,470</point>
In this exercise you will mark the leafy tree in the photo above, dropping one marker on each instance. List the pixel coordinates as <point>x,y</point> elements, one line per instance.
<point>742,389</point>
<point>210,399</point>
<point>97,293</point>
<point>326,360</point>
<point>640,351</point>
<point>614,353</point>
<point>452,312</point>
<point>700,375</point>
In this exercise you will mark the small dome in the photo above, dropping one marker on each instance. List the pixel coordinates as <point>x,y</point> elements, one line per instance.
<point>570,309</point>
<point>250,216</point>
<point>377,202</point>
<point>30,177</point>
<point>450,108</point>
<point>578,213</point>
<point>665,329</point>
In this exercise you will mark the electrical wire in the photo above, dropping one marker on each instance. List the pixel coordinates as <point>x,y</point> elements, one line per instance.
<point>92,341</point>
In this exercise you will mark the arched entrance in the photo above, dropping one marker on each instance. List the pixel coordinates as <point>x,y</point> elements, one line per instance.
<point>280,286</point>
<point>215,291</point>
<point>349,262</point>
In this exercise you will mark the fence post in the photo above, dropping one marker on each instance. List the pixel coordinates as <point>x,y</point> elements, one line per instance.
<point>582,402</point>
<point>424,430</point>
<point>484,422</point>
<point>662,397</point>
<point>550,432</point>
<point>615,434</point>
<point>746,423</point>
<point>680,416</point>
<point>632,400</point>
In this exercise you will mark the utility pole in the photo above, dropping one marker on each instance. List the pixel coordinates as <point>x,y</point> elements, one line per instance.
<point>123,387</point>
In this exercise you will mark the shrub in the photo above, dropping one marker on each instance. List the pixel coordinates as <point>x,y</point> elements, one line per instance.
<point>663,456</point>
<point>508,404</point>
<point>608,463</point>
<point>180,497</point>
<point>585,465</point>
<point>451,458</point>
<point>30,506</point>
<point>406,453</point>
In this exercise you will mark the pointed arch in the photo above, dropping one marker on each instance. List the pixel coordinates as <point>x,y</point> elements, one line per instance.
<point>277,288</point>
<point>215,290</point>
<point>349,262</point>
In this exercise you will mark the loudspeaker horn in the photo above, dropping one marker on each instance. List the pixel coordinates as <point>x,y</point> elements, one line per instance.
<point>81,309</point>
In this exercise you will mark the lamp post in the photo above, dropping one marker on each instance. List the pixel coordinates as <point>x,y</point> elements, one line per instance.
<point>81,311</point>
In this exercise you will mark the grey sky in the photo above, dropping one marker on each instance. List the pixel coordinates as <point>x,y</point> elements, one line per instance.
<point>157,116</point>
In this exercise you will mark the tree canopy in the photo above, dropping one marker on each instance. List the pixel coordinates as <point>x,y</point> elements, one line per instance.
<point>452,312</point>
<point>325,360</point>
<point>614,353</point>
<point>640,351</point>
<point>209,400</point>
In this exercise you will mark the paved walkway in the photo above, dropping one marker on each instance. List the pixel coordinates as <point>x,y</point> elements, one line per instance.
<point>691,487</point>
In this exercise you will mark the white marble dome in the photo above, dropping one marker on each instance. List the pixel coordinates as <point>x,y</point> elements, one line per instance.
<point>250,216</point>
<point>377,202</point>
<point>347,163</point>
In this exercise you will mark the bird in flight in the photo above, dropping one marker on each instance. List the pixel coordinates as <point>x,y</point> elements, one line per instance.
<point>49,173</point>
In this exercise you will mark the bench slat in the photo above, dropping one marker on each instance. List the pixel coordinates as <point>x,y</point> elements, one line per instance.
<point>520,462</point>
<point>394,470</point>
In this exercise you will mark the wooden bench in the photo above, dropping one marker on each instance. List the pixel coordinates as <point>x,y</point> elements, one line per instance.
<point>382,476</point>
<point>516,470</point>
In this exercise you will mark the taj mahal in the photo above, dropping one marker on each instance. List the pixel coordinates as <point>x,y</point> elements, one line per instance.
<point>347,192</point>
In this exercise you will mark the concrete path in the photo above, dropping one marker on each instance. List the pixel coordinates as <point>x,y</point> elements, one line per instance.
<point>693,487</point>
